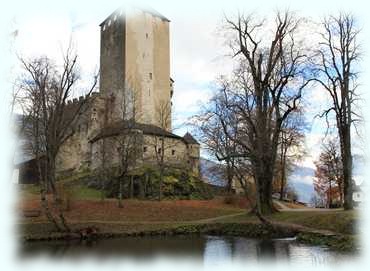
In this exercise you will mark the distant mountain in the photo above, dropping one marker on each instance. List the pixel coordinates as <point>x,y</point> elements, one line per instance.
<point>301,179</point>
<point>212,172</point>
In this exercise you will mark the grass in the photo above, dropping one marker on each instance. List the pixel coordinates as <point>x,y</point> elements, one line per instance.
<point>85,193</point>
<point>342,222</point>
<point>336,221</point>
<point>32,191</point>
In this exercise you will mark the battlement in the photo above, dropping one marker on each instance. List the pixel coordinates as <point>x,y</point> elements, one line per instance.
<point>81,99</point>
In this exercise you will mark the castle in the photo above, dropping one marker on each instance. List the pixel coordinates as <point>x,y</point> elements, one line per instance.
<point>134,97</point>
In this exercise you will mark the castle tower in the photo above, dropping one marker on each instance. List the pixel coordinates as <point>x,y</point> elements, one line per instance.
<point>135,65</point>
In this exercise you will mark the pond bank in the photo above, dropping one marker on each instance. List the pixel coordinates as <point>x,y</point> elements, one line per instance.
<point>43,232</point>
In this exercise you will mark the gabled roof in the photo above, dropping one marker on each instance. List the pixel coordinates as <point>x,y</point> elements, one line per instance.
<point>189,139</point>
<point>121,127</point>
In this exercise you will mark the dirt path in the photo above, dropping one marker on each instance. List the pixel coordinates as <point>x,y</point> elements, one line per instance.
<point>285,208</point>
<point>282,207</point>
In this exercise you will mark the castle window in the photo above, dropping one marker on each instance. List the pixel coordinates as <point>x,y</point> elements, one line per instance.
<point>147,35</point>
<point>150,76</point>
<point>145,148</point>
<point>173,152</point>
<point>159,150</point>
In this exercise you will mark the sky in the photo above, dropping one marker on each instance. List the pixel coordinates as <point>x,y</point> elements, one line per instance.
<point>198,51</point>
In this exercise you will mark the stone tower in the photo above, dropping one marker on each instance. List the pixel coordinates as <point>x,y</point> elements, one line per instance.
<point>135,65</point>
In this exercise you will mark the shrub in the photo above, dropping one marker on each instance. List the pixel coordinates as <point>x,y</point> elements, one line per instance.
<point>231,200</point>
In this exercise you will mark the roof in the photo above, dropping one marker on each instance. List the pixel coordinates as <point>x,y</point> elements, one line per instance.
<point>149,10</point>
<point>357,188</point>
<point>189,139</point>
<point>120,127</point>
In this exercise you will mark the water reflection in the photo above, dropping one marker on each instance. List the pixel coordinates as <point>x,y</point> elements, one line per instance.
<point>211,250</point>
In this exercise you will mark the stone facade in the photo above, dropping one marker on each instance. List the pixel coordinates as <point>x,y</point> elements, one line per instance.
<point>135,62</point>
<point>134,82</point>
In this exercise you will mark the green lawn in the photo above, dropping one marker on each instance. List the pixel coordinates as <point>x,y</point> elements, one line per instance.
<point>80,192</point>
<point>336,221</point>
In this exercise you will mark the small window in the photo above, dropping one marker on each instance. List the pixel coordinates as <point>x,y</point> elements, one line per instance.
<point>147,35</point>
<point>159,150</point>
<point>150,76</point>
<point>145,149</point>
<point>104,27</point>
<point>173,152</point>
<point>109,22</point>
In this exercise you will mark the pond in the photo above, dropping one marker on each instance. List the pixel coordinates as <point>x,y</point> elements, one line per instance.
<point>209,250</point>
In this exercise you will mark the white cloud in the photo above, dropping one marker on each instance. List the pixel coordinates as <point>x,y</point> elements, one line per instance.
<point>188,100</point>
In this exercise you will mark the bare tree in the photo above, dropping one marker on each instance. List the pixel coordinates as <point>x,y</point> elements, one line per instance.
<point>328,174</point>
<point>209,127</point>
<point>45,90</point>
<point>159,142</point>
<point>264,90</point>
<point>338,55</point>
<point>129,141</point>
<point>290,147</point>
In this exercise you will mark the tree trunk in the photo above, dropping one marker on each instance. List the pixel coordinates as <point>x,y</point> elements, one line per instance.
<point>131,186</point>
<point>264,191</point>
<point>283,165</point>
<point>120,205</point>
<point>330,200</point>
<point>160,183</point>
<point>141,187</point>
<point>57,200</point>
<point>102,187</point>
<point>229,173</point>
<point>347,167</point>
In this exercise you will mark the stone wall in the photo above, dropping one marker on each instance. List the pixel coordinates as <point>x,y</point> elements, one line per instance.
<point>175,152</point>
<point>75,153</point>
